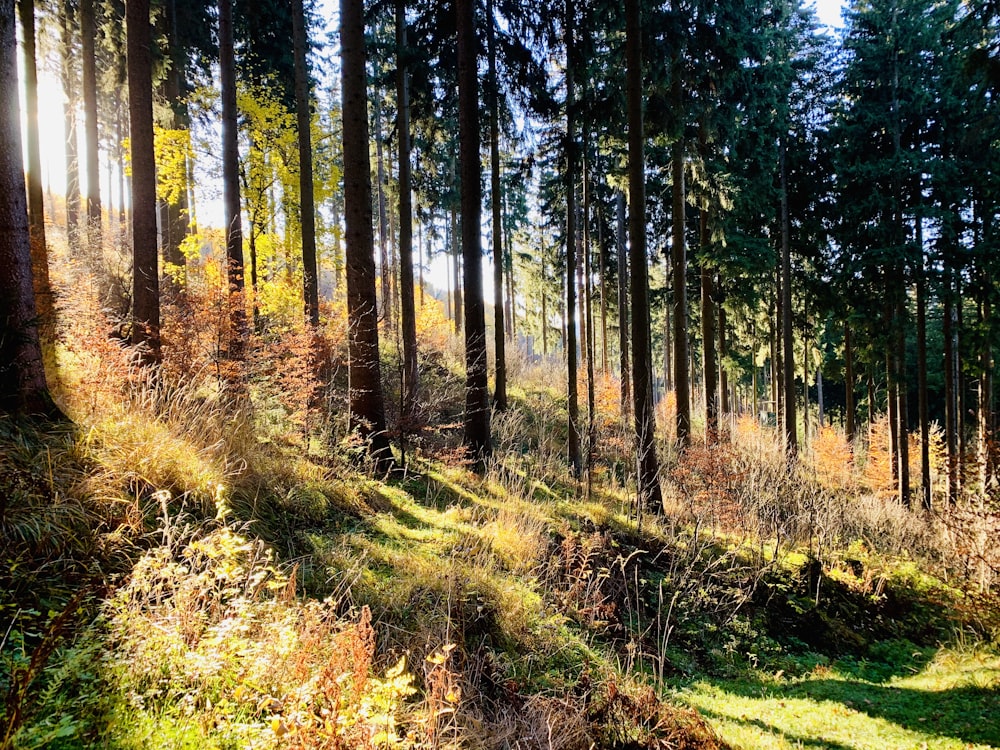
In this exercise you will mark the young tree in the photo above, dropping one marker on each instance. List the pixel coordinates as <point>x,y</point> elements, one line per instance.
<point>648,480</point>
<point>477,407</point>
<point>23,389</point>
<point>145,276</point>
<point>367,403</point>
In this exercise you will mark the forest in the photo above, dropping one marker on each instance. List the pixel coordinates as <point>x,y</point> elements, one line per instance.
<point>490,374</point>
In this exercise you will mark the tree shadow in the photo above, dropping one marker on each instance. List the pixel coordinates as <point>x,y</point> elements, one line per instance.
<point>796,740</point>
<point>967,713</point>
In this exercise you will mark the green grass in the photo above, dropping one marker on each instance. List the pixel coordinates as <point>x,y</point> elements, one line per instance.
<point>940,699</point>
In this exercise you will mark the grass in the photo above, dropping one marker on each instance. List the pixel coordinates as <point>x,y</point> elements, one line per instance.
<point>245,583</point>
<point>945,699</point>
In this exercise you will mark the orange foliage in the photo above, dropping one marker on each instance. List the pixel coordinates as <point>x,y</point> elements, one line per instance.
<point>832,459</point>
<point>706,480</point>
<point>877,477</point>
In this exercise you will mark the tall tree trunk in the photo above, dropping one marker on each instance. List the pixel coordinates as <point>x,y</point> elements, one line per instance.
<point>383,215</point>
<point>231,184</point>
<point>88,34</point>
<point>925,456</point>
<point>366,400</point>
<point>724,404</point>
<point>820,416</point>
<point>456,252</point>
<point>648,480</point>
<point>477,396</point>
<point>145,274</point>
<point>623,308</point>
<point>23,389</point>
<point>408,313</point>
<point>602,266</point>
<point>668,341</point>
<point>892,404</point>
<point>307,208</point>
<point>68,76</point>
<point>682,383</point>
<point>499,334</point>
<point>588,309</point>
<point>849,407</point>
<point>678,256</point>
<point>985,410</point>
<point>573,446</point>
<point>36,197</point>
<point>708,332</point>
<point>175,225</point>
<point>791,445</point>
<point>902,409</point>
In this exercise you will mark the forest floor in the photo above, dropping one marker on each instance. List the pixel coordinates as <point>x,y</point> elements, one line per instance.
<point>173,580</point>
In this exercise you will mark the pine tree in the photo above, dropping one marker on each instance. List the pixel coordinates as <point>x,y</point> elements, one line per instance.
<point>23,388</point>
<point>477,408</point>
<point>145,275</point>
<point>366,399</point>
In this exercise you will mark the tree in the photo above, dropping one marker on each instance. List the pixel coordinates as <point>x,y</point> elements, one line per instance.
<point>648,480</point>
<point>477,407</point>
<point>367,403</point>
<point>496,204</point>
<point>23,389</point>
<point>408,313</point>
<point>145,276</point>
<point>67,70</point>
<point>573,443</point>
<point>88,35</point>
<point>306,203</point>
<point>678,257</point>
<point>231,183</point>
<point>36,211</point>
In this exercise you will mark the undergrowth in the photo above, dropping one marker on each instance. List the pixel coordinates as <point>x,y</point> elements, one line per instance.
<point>192,567</point>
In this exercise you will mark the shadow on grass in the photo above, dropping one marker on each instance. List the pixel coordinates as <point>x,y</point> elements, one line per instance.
<point>794,739</point>
<point>966,713</point>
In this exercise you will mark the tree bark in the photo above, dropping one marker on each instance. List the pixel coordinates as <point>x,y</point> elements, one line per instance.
<point>68,76</point>
<point>682,383</point>
<point>477,407</point>
<point>499,334</point>
<point>175,226</point>
<point>407,306</point>
<point>650,496</point>
<point>36,197</point>
<point>231,184</point>
<point>708,333</point>
<point>588,309</point>
<point>145,274</point>
<point>623,308</point>
<point>307,207</point>
<point>383,216</point>
<point>925,458</point>
<point>23,389</point>
<point>849,406</point>
<point>367,404</point>
<point>573,443</point>
<point>791,440</point>
<point>88,35</point>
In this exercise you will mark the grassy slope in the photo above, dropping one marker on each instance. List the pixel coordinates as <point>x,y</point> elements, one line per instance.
<point>520,604</point>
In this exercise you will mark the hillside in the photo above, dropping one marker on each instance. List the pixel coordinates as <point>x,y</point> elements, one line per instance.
<point>181,571</point>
